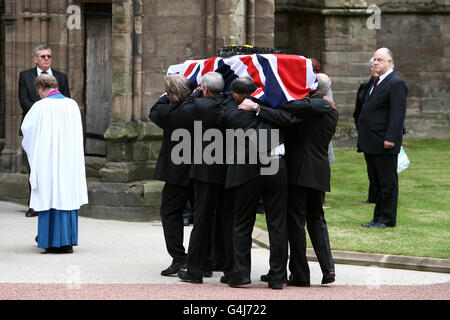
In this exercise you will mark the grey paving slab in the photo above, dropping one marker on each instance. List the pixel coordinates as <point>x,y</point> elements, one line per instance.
<point>134,253</point>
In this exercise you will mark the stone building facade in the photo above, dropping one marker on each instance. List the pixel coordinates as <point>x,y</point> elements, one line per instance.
<point>116,53</point>
<point>343,34</point>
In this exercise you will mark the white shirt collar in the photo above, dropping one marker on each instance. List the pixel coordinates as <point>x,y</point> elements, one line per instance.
<point>385,75</point>
<point>39,71</point>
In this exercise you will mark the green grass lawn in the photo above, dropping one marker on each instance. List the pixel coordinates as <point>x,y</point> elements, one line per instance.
<point>423,215</point>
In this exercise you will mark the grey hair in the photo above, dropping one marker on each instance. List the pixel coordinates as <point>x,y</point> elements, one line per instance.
<point>40,48</point>
<point>324,83</point>
<point>213,81</point>
<point>46,81</point>
<point>370,62</point>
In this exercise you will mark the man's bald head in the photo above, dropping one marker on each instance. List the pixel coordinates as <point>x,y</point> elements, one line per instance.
<point>383,60</point>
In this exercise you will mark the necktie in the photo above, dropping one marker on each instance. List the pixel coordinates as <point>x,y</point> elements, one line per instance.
<point>374,85</point>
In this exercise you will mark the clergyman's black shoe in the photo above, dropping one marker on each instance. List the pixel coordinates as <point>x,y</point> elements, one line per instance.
<point>31,213</point>
<point>63,249</point>
<point>173,268</point>
<point>186,277</point>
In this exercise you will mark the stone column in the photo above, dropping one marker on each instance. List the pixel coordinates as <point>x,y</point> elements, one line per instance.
<point>121,133</point>
<point>264,22</point>
<point>348,46</point>
<point>231,22</point>
<point>9,154</point>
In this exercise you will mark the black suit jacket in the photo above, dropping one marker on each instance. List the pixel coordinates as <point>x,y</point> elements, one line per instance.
<point>170,117</point>
<point>360,98</point>
<point>230,117</point>
<point>204,110</point>
<point>27,91</point>
<point>310,124</point>
<point>382,116</point>
<point>307,152</point>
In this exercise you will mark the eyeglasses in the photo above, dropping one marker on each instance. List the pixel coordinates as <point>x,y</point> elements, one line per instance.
<point>45,56</point>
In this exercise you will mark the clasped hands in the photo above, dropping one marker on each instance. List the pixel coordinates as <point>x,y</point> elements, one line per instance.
<point>249,105</point>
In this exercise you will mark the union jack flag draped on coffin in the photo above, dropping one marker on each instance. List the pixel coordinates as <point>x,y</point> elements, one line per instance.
<point>280,77</point>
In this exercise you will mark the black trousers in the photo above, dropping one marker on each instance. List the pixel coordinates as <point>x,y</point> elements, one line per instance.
<point>305,205</point>
<point>173,203</point>
<point>210,209</point>
<point>373,183</point>
<point>384,168</point>
<point>273,190</point>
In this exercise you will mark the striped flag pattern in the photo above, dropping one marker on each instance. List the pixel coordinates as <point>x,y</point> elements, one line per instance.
<point>280,77</point>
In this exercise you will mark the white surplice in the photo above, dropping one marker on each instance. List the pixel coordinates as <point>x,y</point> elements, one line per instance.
<point>53,140</point>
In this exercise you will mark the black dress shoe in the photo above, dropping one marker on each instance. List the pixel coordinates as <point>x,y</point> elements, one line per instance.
<point>36,239</point>
<point>224,279</point>
<point>276,285</point>
<point>238,283</point>
<point>63,249</point>
<point>186,277</point>
<point>368,225</point>
<point>207,273</point>
<point>173,268</point>
<point>265,278</point>
<point>31,213</point>
<point>378,225</point>
<point>328,279</point>
<point>297,283</point>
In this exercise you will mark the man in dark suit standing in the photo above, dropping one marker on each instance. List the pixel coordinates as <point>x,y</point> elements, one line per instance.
<point>27,91</point>
<point>212,211</point>
<point>360,98</point>
<point>380,133</point>
<point>307,136</point>
<point>167,114</point>
<point>248,181</point>
<point>309,172</point>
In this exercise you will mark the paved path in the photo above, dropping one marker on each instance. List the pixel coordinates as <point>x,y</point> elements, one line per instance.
<point>122,260</point>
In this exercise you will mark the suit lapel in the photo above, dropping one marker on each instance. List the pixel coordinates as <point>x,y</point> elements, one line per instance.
<point>379,86</point>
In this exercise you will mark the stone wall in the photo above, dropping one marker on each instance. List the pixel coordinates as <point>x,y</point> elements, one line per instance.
<point>422,57</point>
<point>303,36</point>
<point>196,30</point>
<point>27,24</point>
<point>337,33</point>
<point>2,78</point>
<point>349,45</point>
